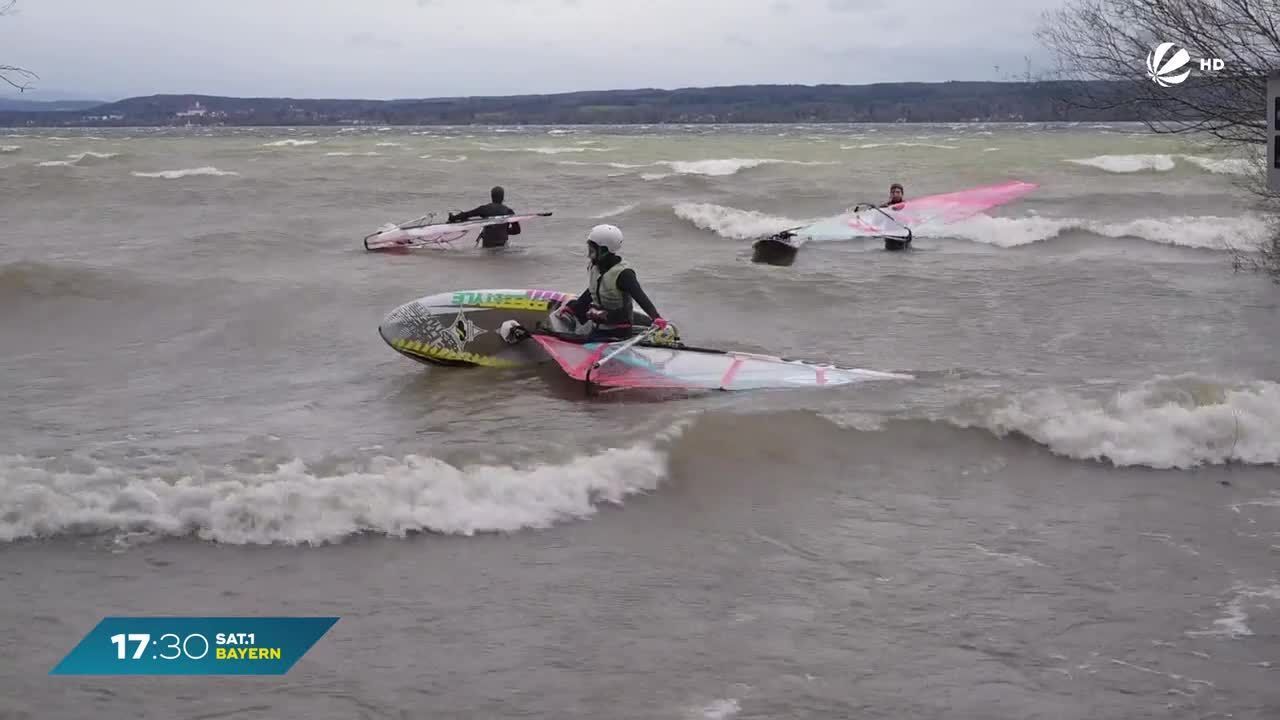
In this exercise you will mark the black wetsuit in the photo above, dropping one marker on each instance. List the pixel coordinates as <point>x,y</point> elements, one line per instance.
<point>627,283</point>
<point>491,236</point>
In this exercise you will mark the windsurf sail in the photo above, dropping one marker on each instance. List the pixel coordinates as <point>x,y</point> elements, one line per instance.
<point>894,220</point>
<point>680,367</point>
<point>415,233</point>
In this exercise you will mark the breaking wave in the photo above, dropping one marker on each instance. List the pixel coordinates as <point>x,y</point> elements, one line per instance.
<point>1165,163</point>
<point>78,159</point>
<point>10,148</point>
<point>546,150</point>
<point>370,153</point>
<point>1202,232</point>
<point>1168,422</point>
<point>730,166</point>
<point>185,172</point>
<point>1234,623</point>
<point>621,209</point>
<point>1207,232</point>
<point>616,165</point>
<point>733,223</point>
<point>290,143</point>
<point>719,167</point>
<point>869,146</point>
<point>295,505</point>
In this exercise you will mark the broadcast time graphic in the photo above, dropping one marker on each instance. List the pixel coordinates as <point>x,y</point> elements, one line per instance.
<point>194,646</point>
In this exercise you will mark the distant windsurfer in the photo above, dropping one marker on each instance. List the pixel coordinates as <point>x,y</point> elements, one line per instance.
<point>492,236</point>
<point>896,200</point>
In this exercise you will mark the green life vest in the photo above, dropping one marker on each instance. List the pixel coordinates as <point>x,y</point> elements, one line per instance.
<point>605,291</point>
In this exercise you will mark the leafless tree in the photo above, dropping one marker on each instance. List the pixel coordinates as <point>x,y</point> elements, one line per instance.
<point>17,77</point>
<point>1110,40</point>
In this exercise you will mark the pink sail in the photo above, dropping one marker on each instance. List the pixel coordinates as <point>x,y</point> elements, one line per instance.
<point>894,221</point>
<point>680,367</point>
<point>953,206</point>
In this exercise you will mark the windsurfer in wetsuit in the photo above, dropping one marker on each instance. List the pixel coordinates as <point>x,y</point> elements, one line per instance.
<point>612,289</point>
<point>895,195</point>
<point>492,236</point>
<point>895,200</point>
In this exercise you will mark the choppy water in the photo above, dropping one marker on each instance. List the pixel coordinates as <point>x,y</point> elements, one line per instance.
<point>1074,512</point>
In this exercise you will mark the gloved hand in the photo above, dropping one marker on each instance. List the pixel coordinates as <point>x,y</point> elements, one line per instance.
<point>597,314</point>
<point>566,310</point>
<point>660,323</point>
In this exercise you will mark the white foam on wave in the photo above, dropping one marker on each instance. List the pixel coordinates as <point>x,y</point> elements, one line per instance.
<point>617,165</point>
<point>388,144</point>
<point>1167,422</point>
<point>456,159</point>
<point>1161,162</point>
<point>716,167</point>
<point>10,148</point>
<point>548,150</point>
<point>730,166</point>
<point>722,709</point>
<point>1203,232</point>
<point>869,146</point>
<point>1234,623</point>
<point>370,153</point>
<point>290,143</point>
<point>731,222</point>
<point>615,211</point>
<point>1222,166</point>
<point>294,505</point>
<point>186,172</point>
<point>1127,163</point>
<point>77,159</point>
<point>1208,232</point>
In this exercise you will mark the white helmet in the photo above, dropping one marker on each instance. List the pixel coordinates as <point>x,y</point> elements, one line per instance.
<point>608,237</point>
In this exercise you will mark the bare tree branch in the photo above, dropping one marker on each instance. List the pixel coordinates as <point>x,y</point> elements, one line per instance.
<point>1109,41</point>
<point>14,76</point>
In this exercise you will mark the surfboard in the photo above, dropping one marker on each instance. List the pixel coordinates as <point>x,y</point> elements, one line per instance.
<point>462,327</point>
<point>639,365</point>
<point>428,232</point>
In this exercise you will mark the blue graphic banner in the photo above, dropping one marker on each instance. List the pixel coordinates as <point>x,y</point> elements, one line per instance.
<point>194,646</point>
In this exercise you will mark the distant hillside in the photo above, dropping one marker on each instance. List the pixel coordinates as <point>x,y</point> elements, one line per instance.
<point>13,104</point>
<point>886,102</point>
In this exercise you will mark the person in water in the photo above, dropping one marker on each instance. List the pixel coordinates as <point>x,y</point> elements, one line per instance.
<point>895,195</point>
<point>492,236</point>
<point>612,290</point>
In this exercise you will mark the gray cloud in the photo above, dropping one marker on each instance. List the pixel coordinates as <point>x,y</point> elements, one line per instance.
<point>394,48</point>
<point>372,40</point>
<point>843,6</point>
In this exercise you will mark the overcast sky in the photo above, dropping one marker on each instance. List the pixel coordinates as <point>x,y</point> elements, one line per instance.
<point>424,48</point>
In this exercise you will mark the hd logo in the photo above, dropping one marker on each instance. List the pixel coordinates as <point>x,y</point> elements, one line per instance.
<point>1172,71</point>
